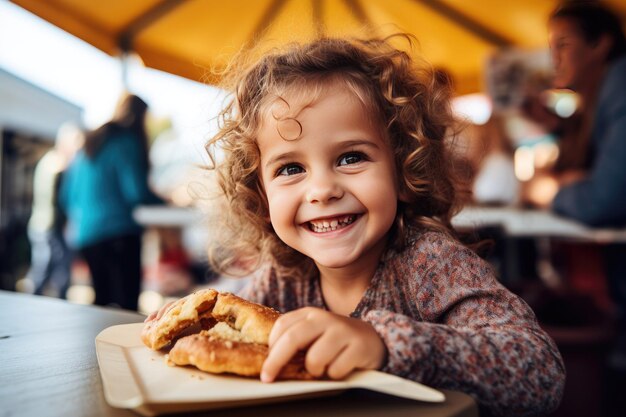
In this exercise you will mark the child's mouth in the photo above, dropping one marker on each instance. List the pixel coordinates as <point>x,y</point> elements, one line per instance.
<point>330,225</point>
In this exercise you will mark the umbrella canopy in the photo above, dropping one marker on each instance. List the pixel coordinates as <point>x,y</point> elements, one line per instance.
<point>191,37</point>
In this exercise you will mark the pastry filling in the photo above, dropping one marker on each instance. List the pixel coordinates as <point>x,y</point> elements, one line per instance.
<point>224,332</point>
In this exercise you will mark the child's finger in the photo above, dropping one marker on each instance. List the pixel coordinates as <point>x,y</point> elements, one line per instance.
<point>150,317</point>
<point>163,310</point>
<point>299,336</point>
<point>322,353</point>
<point>285,322</point>
<point>344,363</point>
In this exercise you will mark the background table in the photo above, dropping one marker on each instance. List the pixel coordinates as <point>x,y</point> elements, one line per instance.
<point>519,222</point>
<point>48,367</point>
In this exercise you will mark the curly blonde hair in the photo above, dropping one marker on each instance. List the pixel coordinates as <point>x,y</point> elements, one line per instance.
<point>412,106</point>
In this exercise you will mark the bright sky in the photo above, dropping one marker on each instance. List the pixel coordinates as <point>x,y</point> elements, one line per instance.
<point>48,57</point>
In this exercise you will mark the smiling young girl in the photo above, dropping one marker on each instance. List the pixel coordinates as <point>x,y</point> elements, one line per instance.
<point>339,187</point>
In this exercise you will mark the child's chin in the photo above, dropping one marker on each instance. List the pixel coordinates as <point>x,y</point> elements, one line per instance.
<point>334,261</point>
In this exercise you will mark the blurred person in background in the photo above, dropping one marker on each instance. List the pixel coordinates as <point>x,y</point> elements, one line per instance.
<point>589,54</point>
<point>50,257</point>
<point>104,184</point>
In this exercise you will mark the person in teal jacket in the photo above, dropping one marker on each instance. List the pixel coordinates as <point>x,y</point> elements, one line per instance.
<point>103,185</point>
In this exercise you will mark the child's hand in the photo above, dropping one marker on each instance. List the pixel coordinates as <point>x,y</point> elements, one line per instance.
<point>336,344</point>
<point>157,314</point>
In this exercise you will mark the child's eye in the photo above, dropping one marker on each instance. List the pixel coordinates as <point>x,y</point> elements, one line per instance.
<point>290,169</point>
<point>351,158</point>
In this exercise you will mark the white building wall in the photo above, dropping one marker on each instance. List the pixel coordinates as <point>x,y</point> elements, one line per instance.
<point>27,108</point>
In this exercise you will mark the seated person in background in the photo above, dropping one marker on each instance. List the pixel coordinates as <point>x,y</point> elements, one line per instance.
<point>589,54</point>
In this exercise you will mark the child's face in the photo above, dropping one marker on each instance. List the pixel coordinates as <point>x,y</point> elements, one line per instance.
<point>332,192</point>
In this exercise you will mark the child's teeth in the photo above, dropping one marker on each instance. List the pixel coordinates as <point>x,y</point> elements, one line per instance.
<point>322,226</point>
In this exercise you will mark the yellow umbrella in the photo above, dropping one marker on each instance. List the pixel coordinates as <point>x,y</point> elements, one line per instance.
<point>188,37</point>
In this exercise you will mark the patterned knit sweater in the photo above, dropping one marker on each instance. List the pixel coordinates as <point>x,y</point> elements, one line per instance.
<point>446,322</point>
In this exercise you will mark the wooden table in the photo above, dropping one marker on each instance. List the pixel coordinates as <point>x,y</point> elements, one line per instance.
<point>48,367</point>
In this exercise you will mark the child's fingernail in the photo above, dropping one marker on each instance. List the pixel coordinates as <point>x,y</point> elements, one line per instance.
<point>265,377</point>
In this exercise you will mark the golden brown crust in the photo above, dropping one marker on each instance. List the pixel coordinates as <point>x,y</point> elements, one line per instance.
<point>254,321</point>
<point>222,356</point>
<point>180,315</point>
<point>236,343</point>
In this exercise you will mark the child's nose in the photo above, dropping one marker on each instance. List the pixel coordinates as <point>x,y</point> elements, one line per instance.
<point>323,188</point>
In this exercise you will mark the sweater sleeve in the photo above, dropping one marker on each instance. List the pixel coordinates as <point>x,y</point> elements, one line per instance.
<point>475,337</point>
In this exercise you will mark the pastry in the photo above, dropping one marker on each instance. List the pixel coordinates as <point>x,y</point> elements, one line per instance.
<point>192,310</point>
<point>232,335</point>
